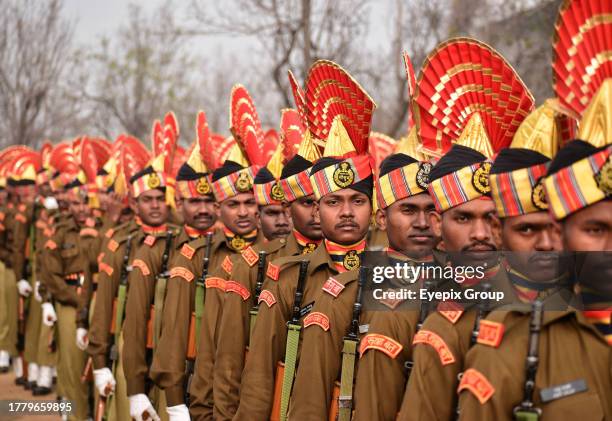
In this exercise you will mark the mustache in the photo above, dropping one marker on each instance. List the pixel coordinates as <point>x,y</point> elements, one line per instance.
<point>480,244</point>
<point>347,223</point>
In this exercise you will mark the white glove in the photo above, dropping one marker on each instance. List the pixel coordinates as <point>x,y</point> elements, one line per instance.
<point>37,296</point>
<point>104,380</point>
<point>178,413</point>
<point>81,338</point>
<point>50,203</point>
<point>48,314</point>
<point>138,405</point>
<point>24,288</point>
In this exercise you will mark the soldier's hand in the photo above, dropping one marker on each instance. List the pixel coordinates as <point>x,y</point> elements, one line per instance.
<point>104,381</point>
<point>81,338</point>
<point>178,413</point>
<point>141,408</point>
<point>48,314</point>
<point>37,295</point>
<point>24,288</point>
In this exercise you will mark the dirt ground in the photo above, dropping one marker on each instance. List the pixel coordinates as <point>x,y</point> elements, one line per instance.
<point>10,391</point>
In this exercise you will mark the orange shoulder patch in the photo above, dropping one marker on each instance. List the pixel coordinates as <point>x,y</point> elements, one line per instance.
<point>109,233</point>
<point>150,240</point>
<point>113,245</point>
<point>450,311</point>
<point>273,271</point>
<point>227,265</point>
<point>250,256</point>
<point>90,222</point>
<point>437,343</point>
<point>267,297</point>
<point>490,333</point>
<point>106,268</point>
<point>381,343</point>
<point>39,224</point>
<point>20,218</point>
<point>187,251</point>
<point>140,264</point>
<point>88,232</point>
<point>236,287</point>
<point>474,381</point>
<point>333,287</point>
<point>215,282</point>
<point>181,272</point>
<point>51,245</point>
<point>317,318</point>
<point>100,257</point>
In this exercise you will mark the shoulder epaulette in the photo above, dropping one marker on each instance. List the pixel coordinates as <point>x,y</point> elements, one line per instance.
<point>278,265</point>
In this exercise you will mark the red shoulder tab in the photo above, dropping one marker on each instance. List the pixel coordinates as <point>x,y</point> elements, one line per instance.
<point>106,268</point>
<point>236,287</point>
<point>150,240</point>
<point>267,297</point>
<point>450,311</point>
<point>250,256</point>
<point>21,207</point>
<point>437,343</point>
<point>317,318</point>
<point>490,333</point>
<point>333,287</point>
<point>214,282</point>
<point>88,232</point>
<point>51,245</point>
<point>39,224</point>
<point>47,232</point>
<point>113,245</point>
<point>474,381</point>
<point>140,264</point>
<point>20,218</point>
<point>273,271</point>
<point>109,233</point>
<point>227,265</point>
<point>181,272</point>
<point>380,343</point>
<point>90,222</point>
<point>187,251</point>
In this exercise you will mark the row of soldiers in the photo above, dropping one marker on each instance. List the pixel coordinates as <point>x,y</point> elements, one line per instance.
<point>234,281</point>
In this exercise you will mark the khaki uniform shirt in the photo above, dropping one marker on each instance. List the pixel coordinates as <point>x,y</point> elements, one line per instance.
<point>110,267</point>
<point>234,326</point>
<point>570,350</point>
<point>138,327</point>
<point>269,339</point>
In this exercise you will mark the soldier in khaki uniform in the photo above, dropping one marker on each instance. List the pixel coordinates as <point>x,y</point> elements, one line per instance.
<point>556,364</point>
<point>237,318</point>
<point>8,292</point>
<point>343,189</point>
<point>148,192</point>
<point>147,287</point>
<point>469,228</point>
<point>232,187</point>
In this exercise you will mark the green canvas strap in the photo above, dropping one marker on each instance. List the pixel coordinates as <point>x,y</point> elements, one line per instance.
<point>293,339</point>
<point>253,317</point>
<point>121,298</point>
<point>526,416</point>
<point>158,308</point>
<point>199,309</point>
<point>345,401</point>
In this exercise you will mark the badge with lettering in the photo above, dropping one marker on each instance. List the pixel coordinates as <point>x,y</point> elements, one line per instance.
<point>306,309</point>
<point>351,260</point>
<point>480,178</point>
<point>563,390</point>
<point>344,175</point>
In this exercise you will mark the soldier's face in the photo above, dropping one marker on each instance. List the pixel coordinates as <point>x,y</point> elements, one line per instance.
<point>275,221</point>
<point>590,230</point>
<point>199,212</point>
<point>408,226</point>
<point>535,240</point>
<point>152,207</point>
<point>27,194</point>
<point>345,216</point>
<point>78,208</point>
<point>305,219</point>
<point>471,228</point>
<point>239,213</point>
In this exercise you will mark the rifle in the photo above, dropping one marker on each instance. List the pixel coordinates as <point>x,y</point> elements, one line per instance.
<point>349,350</point>
<point>293,337</point>
<point>160,289</point>
<point>423,313</point>
<point>261,264</point>
<point>194,338</point>
<point>526,411</point>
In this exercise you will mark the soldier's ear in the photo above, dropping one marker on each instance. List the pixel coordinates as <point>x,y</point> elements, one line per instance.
<point>381,219</point>
<point>435,220</point>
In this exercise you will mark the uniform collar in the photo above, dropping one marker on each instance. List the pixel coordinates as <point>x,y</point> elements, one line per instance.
<point>194,233</point>
<point>306,244</point>
<point>345,257</point>
<point>238,242</point>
